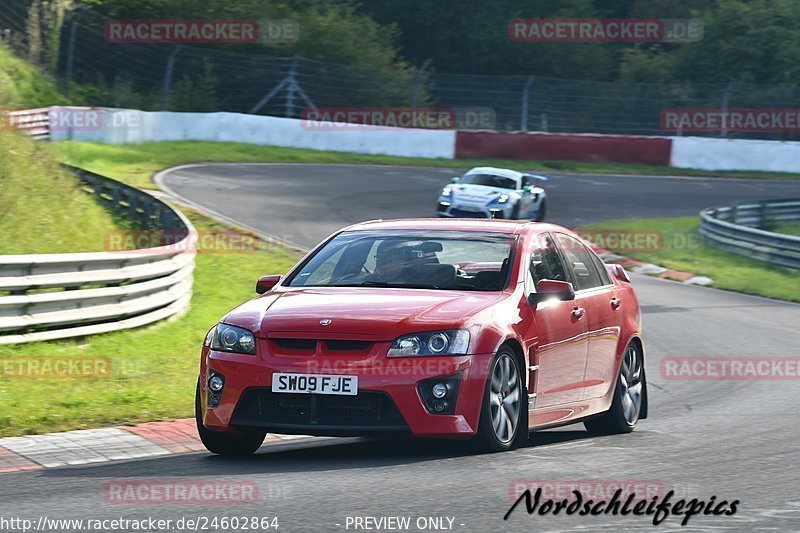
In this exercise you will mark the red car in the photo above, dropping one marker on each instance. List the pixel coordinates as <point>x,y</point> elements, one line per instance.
<point>482,329</point>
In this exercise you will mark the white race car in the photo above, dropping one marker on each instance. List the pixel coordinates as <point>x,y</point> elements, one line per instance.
<point>487,192</point>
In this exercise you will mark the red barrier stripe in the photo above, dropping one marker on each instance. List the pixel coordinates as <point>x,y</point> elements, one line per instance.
<point>564,147</point>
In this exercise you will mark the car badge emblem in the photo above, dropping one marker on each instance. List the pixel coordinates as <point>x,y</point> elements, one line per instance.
<point>325,322</point>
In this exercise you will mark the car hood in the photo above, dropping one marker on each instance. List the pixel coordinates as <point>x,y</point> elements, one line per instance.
<point>369,314</point>
<point>481,192</point>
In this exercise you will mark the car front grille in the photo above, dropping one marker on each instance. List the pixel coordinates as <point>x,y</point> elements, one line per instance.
<point>302,346</point>
<point>463,213</point>
<point>262,407</point>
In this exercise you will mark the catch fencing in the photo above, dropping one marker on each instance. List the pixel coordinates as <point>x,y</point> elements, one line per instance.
<point>192,78</point>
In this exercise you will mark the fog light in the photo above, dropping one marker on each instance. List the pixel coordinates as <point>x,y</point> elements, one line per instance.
<point>440,390</point>
<point>214,399</point>
<point>216,383</point>
<point>440,394</point>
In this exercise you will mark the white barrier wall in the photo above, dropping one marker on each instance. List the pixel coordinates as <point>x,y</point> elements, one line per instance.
<point>122,126</point>
<point>735,154</point>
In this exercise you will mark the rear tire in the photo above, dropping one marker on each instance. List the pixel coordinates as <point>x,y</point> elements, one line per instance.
<point>629,395</point>
<point>225,443</point>
<point>503,421</point>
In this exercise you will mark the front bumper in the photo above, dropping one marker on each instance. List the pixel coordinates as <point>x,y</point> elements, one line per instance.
<point>388,398</point>
<point>456,210</point>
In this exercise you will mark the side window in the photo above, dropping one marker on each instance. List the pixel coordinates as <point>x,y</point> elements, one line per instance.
<point>545,261</point>
<point>605,277</point>
<point>580,263</point>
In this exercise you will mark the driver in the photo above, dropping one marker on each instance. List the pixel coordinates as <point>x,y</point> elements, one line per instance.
<point>390,262</point>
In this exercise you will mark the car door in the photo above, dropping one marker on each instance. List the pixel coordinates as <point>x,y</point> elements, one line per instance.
<point>597,296</point>
<point>559,360</point>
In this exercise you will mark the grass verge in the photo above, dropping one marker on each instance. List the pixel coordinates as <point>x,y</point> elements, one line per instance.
<point>43,208</point>
<point>153,369</point>
<point>137,163</point>
<point>683,249</point>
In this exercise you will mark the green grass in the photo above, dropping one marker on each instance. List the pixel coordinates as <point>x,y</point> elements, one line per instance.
<point>23,85</point>
<point>43,208</point>
<point>153,368</point>
<point>789,228</point>
<point>136,163</point>
<point>683,249</point>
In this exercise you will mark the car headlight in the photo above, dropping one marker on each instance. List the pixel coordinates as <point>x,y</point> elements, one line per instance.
<point>447,191</point>
<point>227,338</point>
<point>503,198</point>
<point>210,336</point>
<point>448,342</point>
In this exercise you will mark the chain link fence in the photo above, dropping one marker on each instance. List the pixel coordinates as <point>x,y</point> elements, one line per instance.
<point>179,77</point>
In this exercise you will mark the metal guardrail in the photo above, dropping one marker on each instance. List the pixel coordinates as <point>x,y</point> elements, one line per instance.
<point>55,296</point>
<point>739,228</point>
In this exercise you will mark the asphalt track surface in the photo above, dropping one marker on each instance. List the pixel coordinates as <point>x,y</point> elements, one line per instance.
<point>729,439</point>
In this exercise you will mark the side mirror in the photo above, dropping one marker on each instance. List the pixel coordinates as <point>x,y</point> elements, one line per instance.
<point>265,283</point>
<point>619,272</point>
<point>548,289</point>
<point>527,189</point>
<point>455,179</point>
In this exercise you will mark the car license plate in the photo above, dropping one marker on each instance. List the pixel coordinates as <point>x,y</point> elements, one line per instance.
<point>315,384</point>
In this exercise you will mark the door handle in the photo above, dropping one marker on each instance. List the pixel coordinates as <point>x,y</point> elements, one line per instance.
<point>578,312</point>
<point>616,302</point>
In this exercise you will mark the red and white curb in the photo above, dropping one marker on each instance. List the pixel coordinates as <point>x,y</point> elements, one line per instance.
<point>118,443</point>
<point>650,269</point>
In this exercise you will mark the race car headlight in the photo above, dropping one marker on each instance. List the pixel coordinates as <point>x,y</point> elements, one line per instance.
<point>447,191</point>
<point>503,198</point>
<point>232,339</point>
<point>448,342</point>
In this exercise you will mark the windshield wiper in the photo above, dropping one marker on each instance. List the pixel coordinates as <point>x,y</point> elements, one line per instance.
<point>387,284</point>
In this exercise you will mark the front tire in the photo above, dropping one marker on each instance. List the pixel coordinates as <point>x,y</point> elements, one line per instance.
<point>629,395</point>
<point>225,443</point>
<point>503,420</point>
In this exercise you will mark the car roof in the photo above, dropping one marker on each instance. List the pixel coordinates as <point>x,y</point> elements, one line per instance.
<point>511,227</point>
<point>494,171</point>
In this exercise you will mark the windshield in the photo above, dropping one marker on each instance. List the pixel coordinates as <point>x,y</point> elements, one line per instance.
<point>489,180</point>
<point>449,260</point>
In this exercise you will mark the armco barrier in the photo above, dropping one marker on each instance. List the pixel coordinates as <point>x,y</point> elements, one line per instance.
<point>737,228</point>
<point>100,291</point>
<point>563,147</point>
